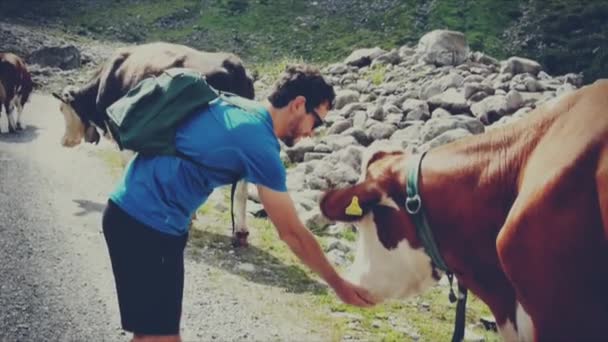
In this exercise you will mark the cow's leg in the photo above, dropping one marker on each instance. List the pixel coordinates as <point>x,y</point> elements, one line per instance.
<point>11,119</point>
<point>240,215</point>
<point>19,106</point>
<point>551,247</point>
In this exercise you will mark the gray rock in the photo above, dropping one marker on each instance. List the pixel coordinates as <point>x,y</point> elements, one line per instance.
<point>344,97</point>
<point>416,109</point>
<point>315,221</point>
<point>429,90</point>
<point>408,136</point>
<point>514,101</point>
<point>359,119</point>
<point>363,57</point>
<point>519,65</point>
<point>381,131</point>
<point>376,113</point>
<point>337,142</point>
<point>64,57</point>
<point>471,89</point>
<point>443,47</point>
<point>308,156</point>
<point>444,138</point>
<point>391,57</point>
<point>435,127</point>
<point>359,135</point>
<point>440,113</point>
<point>337,244</point>
<point>339,126</point>
<point>296,153</point>
<point>349,156</point>
<point>473,79</point>
<point>451,100</point>
<point>490,109</point>
<point>349,109</point>
<point>337,69</point>
<point>480,57</point>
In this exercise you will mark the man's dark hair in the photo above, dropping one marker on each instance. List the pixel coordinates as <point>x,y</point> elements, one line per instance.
<point>302,80</point>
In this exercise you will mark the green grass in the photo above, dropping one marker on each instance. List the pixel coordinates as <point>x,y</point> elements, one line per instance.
<point>376,74</point>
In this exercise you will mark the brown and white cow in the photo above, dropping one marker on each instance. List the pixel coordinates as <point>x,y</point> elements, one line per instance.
<point>519,214</point>
<point>84,108</point>
<point>15,88</point>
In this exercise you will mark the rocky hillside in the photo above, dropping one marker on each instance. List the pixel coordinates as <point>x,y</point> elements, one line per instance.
<point>563,35</point>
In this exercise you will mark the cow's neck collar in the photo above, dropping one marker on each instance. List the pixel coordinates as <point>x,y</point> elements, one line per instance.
<point>413,205</point>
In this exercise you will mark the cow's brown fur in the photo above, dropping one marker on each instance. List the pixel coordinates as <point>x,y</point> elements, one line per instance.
<point>519,213</point>
<point>16,81</point>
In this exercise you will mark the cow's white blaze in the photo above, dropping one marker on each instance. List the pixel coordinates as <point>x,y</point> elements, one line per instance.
<point>396,273</point>
<point>525,327</point>
<point>524,331</point>
<point>74,129</point>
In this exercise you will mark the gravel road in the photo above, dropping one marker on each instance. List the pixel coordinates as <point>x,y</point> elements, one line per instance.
<point>55,276</point>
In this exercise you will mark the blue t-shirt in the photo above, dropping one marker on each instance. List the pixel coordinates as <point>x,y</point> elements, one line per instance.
<point>164,191</point>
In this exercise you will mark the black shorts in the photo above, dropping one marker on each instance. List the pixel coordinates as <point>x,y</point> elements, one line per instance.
<point>148,270</point>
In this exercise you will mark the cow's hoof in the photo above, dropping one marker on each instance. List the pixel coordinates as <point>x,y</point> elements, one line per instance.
<point>19,127</point>
<point>11,130</point>
<point>240,239</point>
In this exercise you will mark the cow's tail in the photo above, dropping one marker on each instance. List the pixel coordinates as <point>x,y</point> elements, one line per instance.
<point>109,84</point>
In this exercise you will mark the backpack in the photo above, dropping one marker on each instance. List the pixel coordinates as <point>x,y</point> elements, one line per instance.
<point>147,117</point>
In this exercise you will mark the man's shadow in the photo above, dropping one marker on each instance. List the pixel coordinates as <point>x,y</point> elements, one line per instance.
<point>217,250</point>
<point>87,207</point>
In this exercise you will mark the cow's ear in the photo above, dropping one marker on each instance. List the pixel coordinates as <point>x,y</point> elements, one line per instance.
<point>58,97</point>
<point>350,204</point>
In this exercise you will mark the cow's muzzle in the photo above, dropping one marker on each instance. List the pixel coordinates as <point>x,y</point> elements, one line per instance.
<point>91,135</point>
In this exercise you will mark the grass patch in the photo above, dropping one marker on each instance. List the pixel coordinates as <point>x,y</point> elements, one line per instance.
<point>376,74</point>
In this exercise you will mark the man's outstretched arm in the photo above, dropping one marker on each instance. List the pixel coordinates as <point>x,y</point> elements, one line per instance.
<point>281,211</point>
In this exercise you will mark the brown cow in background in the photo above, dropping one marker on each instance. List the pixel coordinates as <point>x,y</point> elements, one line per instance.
<point>84,108</point>
<point>15,88</point>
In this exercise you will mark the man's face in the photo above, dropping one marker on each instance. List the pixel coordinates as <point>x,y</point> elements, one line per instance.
<point>303,123</point>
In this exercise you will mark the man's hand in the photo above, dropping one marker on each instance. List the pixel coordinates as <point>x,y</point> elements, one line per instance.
<point>353,295</point>
<point>300,240</point>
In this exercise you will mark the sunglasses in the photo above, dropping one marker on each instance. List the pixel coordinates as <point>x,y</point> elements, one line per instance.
<point>318,120</point>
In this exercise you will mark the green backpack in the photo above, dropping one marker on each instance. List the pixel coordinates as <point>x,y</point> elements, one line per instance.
<point>147,117</point>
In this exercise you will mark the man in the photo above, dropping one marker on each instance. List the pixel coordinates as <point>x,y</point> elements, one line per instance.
<point>146,221</point>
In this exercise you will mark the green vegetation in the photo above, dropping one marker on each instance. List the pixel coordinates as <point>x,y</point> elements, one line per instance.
<point>564,35</point>
<point>376,74</point>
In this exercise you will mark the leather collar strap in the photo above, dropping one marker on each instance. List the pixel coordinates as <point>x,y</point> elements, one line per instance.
<point>413,205</point>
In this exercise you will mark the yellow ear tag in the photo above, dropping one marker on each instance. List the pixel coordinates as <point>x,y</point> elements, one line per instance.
<point>353,208</point>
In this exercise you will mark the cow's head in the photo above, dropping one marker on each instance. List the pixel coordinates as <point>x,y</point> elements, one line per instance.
<point>77,122</point>
<point>390,261</point>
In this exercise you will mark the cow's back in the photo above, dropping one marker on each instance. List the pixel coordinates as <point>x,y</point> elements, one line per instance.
<point>152,59</point>
<point>130,65</point>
